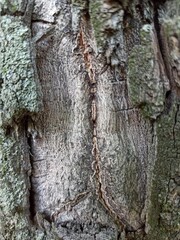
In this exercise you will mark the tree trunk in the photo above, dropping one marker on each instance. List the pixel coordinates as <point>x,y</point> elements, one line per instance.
<point>90,119</point>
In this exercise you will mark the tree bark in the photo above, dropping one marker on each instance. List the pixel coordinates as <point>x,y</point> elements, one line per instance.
<point>90,119</point>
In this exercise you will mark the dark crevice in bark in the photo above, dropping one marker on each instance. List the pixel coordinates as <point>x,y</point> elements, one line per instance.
<point>175,122</point>
<point>127,109</point>
<point>168,101</point>
<point>32,210</point>
<point>140,10</point>
<point>119,236</point>
<point>164,51</point>
<point>95,236</point>
<point>42,21</point>
<point>8,130</point>
<point>9,13</point>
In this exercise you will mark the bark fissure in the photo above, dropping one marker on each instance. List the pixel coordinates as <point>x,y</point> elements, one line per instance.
<point>95,150</point>
<point>43,21</point>
<point>126,109</point>
<point>175,122</point>
<point>109,205</point>
<point>32,209</point>
<point>84,46</point>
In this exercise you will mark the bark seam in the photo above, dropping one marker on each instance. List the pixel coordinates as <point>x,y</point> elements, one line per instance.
<point>27,121</point>
<point>87,54</point>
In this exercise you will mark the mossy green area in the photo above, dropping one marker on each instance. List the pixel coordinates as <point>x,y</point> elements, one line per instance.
<point>11,6</point>
<point>97,19</point>
<point>19,91</point>
<point>146,87</point>
<point>163,214</point>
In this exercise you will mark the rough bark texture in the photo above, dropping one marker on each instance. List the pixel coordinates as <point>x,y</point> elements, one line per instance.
<point>90,120</point>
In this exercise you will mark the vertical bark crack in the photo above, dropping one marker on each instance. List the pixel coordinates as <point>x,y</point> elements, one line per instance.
<point>30,149</point>
<point>175,122</point>
<point>87,53</point>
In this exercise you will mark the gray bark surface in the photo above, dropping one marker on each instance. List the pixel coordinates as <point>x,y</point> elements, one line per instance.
<point>90,123</point>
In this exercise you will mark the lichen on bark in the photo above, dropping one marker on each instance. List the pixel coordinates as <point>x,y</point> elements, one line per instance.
<point>163,219</point>
<point>147,82</point>
<point>19,96</point>
<point>19,91</point>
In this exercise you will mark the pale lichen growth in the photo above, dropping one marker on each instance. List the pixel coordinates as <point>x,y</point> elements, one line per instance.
<point>19,91</point>
<point>14,191</point>
<point>19,95</point>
